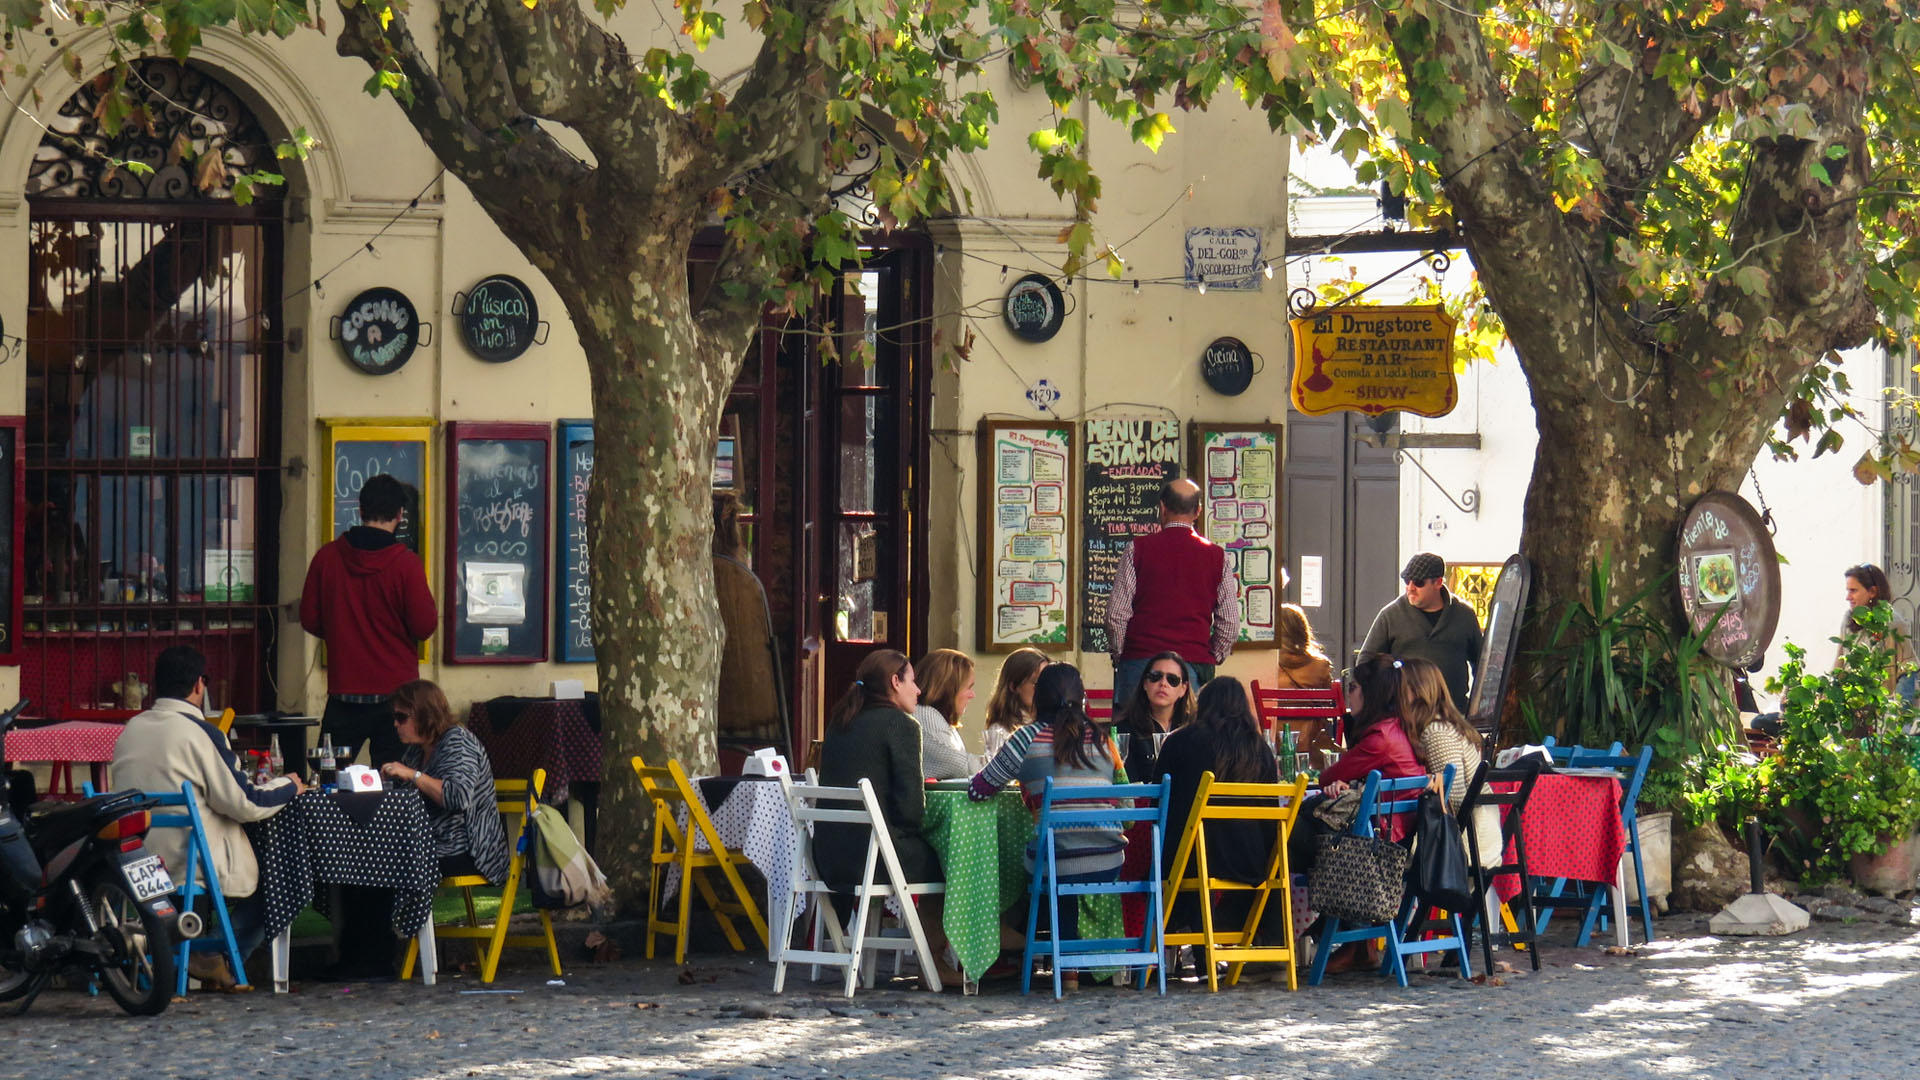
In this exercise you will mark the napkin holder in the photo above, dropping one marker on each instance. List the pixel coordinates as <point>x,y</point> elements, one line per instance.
<point>357,778</point>
<point>765,761</point>
<point>1512,755</point>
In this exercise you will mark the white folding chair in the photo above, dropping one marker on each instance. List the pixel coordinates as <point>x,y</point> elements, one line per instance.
<point>855,946</point>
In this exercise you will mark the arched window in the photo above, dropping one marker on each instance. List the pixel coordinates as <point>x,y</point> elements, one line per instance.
<point>153,391</point>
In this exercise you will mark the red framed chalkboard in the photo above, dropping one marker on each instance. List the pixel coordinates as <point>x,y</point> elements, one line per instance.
<point>13,502</point>
<point>498,524</point>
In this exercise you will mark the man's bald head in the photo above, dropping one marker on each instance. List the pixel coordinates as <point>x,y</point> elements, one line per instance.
<point>1179,500</point>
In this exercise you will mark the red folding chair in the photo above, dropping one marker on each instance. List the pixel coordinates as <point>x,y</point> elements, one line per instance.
<point>1100,705</point>
<point>1308,713</point>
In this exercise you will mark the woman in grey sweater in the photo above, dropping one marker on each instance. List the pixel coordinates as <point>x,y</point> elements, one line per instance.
<point>946,688</point>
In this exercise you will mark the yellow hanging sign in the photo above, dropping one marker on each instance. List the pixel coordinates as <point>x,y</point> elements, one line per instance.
<point>1375,359</point>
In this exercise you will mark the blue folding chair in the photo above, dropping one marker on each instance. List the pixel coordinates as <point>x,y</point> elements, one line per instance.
<point>198,879</point>
<point>1060,809</point>
<point>1380,802</point>
<point>1597,899</point>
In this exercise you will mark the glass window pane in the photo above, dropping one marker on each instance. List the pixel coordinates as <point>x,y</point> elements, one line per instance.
<point>866,426</point>
<point>215,553</point>
<point>867,330</point>
<point>864,594</point>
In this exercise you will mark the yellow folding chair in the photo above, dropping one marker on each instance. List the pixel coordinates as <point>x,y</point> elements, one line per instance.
<point>669,789</point>
<point>225,721</point>
<point>516,800</point>
<point>1215,802</point>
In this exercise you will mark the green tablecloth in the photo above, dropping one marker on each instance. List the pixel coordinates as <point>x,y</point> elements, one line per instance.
<point>982,848</point>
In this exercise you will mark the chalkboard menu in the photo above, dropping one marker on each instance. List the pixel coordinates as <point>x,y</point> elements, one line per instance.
<point>1500,644</point>
<point>1240,483</point>
<point>573,587</point>
<point>496,591</point>
<point>1125,462</point>
<point>1026,486</point>
<point>359,449</point>
<point>1729,570</point>
<point>12,523</point>
<point>498,318</point>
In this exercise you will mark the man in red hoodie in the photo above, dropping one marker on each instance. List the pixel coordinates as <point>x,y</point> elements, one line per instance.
<point>366,596</point>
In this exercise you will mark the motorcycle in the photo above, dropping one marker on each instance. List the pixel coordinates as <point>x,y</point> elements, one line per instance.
<point>79,893</point>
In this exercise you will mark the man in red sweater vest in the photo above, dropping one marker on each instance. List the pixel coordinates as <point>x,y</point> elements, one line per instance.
<point>1174,592</point>
<point>366,596</point>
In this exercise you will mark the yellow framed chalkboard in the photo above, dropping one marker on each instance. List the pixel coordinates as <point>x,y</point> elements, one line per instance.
<point>358,448</point>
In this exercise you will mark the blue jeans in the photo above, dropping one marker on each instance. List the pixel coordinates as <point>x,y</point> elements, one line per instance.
<point>1127,675</point>
<point>248,916</point>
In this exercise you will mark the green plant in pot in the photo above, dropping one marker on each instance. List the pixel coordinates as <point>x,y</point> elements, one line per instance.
<point>1622,671</point>
<point>1845,791</point>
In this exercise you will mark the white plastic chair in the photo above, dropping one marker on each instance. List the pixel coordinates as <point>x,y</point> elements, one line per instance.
<point>853,947</point>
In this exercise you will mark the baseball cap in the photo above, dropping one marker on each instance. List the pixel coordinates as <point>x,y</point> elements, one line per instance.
<point>1424,567</point>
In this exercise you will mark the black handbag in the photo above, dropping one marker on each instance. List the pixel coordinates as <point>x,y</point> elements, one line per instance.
<point>1439,858</point>
<point>1359,879</point>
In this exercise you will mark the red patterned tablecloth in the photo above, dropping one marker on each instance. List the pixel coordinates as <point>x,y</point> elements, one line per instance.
<point>1572,830</point>
<point>76,740</point>
<point>550,735</point>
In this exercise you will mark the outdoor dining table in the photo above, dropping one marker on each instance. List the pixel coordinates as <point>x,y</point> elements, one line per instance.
<point>524,734</point>
<point>61,745</point>
<point>750,814</point>
<point>1573,831</point>
<point>374,838</point>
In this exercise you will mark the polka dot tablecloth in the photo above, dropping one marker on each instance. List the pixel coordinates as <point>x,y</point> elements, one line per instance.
<point>982,847</point>
<point>372,838</point>
<point>550,735</point>
<point>76,740</point>
<point>752,819</point>
<point>1572,830</point>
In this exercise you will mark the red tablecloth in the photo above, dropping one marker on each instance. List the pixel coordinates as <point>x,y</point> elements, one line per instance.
<point>77,740</point>
<point>550,735</point>
<point>1572,830</point>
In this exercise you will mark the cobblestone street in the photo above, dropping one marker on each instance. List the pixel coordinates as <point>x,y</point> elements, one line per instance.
<point>1825,1003</point>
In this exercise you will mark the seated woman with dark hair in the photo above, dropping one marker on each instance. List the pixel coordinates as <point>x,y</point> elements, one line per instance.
<point>1162,703</point>
<point>450,769</point>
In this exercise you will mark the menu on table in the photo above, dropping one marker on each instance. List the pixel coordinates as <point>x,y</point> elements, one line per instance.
<point>1125,463</point>
<point>1240,482</point>
<point>1026,487</point>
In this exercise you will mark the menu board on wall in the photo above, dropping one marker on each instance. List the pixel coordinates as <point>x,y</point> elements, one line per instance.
<point>1026,490</point>
<point>1124,464</point>
<point>357,450</point>
<point>496,589</point>
<point>573,587</point>
<point>1239,467</point>
<point>12,527</point>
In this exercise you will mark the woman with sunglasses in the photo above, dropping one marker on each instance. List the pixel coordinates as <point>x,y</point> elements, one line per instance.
<point>1161,704</point>
<point>443,761</point>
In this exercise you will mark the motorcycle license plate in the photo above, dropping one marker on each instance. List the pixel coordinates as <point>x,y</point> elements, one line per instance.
<point>149,878</point>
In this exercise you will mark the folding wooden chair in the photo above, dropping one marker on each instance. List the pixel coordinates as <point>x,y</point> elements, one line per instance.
<point>1314,716</point>
<point>852,946</point>
<point>1100,705</point>
<point>670,790</point>
<point>197,879</point>
<point>1632,770</point>
<point>1516,787</point>
<point>516,800</point>
<point>1215,801</point>
<point>1376,814</point>
<point>1062,808</point>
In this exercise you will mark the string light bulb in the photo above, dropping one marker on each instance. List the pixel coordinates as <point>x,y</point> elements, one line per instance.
<point>1267,269</point>
<point>1203,285</point>
<point>1003,273</point>
<point>375,252</point>
<point>1136,286</point>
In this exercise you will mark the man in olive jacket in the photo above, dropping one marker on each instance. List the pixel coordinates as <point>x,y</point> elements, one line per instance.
<point>1429,623</point>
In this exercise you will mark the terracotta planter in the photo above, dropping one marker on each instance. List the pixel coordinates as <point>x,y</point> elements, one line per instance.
<point>1894,872</point>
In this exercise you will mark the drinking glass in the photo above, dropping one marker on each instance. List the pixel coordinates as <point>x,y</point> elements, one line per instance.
<point>1159,740</point>
<point>1121,741</point>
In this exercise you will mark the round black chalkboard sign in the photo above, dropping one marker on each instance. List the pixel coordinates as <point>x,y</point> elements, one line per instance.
<point>499,318</point>
<point>1729,577</point>
<point>1035,308</point>
<point>379,330</point>
<point>1227,365</point>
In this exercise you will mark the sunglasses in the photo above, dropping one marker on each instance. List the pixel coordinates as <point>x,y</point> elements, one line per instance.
<point>401,717</point>
<point>1421,583</point>
<point>1168,677</point>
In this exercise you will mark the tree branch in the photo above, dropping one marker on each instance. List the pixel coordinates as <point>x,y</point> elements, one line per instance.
<point>1631,119</point>
<point>778,105</point>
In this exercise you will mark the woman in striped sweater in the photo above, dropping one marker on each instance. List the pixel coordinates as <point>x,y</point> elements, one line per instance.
<point>1064,745</point>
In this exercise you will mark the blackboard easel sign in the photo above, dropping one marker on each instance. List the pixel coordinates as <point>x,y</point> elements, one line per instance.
<point>1124,464</point>
<point>1499,646</point>
<point>573,585</point>
<point>13,505</point>
<point>497,528</point>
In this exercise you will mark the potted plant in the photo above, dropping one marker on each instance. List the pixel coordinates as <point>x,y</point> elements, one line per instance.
<point>1845,790</point>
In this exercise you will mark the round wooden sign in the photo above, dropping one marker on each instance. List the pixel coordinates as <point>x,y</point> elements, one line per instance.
<point>499,318</point>
<point>1035,309</point>
<point>1227,365</point>
<point>380,329</point>
<point>1729,571</point>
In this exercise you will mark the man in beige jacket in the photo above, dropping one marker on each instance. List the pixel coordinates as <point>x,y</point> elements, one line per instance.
<point>172,743</point>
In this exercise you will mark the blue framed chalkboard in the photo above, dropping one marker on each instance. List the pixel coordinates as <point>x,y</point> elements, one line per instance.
<point>573,585</point>
<point>497,528</point>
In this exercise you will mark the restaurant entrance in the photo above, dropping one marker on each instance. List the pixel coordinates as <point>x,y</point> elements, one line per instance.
<point>824,443</point>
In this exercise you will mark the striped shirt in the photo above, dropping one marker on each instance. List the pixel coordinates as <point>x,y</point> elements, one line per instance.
<point>468,821</point>
<point>1028,758</point>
